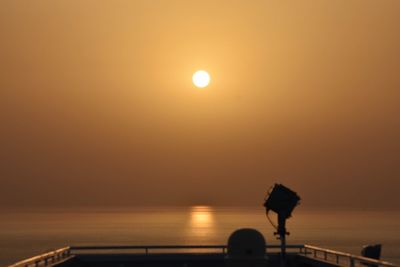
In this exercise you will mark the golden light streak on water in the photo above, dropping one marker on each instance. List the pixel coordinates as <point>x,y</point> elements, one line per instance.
<point>201,221</point>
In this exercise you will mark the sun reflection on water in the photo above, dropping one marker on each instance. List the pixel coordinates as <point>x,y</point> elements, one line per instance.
<point>201,221</point>
<point>201,216</point>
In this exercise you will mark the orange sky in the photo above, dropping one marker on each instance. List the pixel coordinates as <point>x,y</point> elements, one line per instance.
<point>97,105</point>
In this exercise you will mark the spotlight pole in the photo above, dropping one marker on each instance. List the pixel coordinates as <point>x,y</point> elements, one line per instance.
<point>282,236</point>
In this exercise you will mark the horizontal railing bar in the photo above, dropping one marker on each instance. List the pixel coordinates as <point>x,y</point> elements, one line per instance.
<point>328,251</point>
<point>169,247</point>
<point>41,258</point>
<point>351,256</point>
<point>144,247</point>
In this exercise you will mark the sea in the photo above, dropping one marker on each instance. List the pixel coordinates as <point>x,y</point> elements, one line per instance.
<point>25,233</point>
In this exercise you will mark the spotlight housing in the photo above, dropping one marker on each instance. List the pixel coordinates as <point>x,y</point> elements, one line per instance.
<point>281,200</point>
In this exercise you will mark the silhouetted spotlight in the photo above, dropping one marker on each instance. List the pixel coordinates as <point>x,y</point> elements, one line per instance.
<point>282,201</point>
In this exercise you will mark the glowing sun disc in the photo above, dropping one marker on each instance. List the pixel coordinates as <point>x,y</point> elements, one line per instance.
<point>201,78</point>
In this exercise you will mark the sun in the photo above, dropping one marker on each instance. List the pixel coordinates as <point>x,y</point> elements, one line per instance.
<point>201,78</point>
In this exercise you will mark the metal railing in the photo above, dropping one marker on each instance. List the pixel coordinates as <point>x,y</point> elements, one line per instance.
<point>331,256</point>
<point>76,250</point>
<point>341,258</point>
<point>44,259</point>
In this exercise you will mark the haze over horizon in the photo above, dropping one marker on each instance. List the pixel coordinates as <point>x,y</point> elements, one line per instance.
<point>98,107</point>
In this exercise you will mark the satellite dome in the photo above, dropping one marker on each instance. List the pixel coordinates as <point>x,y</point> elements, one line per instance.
<point>246,244</point>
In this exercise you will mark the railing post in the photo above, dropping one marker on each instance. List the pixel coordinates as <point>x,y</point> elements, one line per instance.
<point>325,255</point>
<point>352,263</point>
<point>147,250</point>
<point>315,253</point>
<point>337,258</point>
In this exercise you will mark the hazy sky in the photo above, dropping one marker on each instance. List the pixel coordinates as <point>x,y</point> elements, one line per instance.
<point>97,105</point>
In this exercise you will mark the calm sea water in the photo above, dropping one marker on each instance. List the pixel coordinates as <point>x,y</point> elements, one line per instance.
<point>23,234</point>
